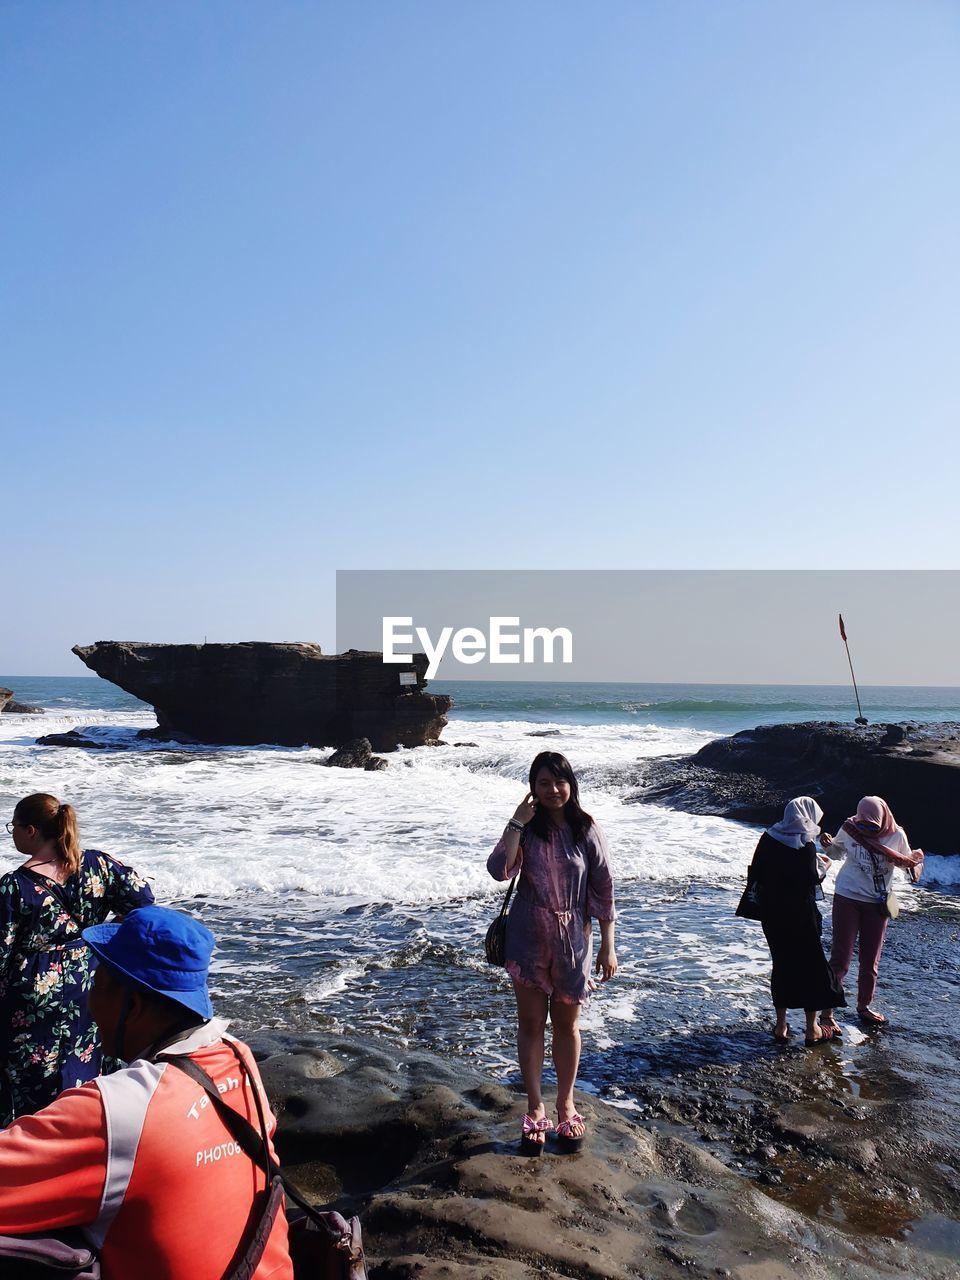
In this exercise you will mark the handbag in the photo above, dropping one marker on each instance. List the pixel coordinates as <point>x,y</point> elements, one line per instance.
<point>323,1245</point>
<point>495,942</point>
<point>40,1257</point>
<point>887,903</point>
<point>748,908</point>
<point>889,907</point>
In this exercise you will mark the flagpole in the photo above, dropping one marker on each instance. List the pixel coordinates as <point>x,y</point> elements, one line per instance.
<point>861,719</point>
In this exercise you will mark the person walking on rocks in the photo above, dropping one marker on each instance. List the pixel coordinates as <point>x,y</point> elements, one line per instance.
<point>787,873</point>
<point>872,845</point>
<point>565,882</point>
<point>47,1039</point>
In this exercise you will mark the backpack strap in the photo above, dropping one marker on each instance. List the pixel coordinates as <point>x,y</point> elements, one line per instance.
<point>253,1144</point>
<point>256,1146</point>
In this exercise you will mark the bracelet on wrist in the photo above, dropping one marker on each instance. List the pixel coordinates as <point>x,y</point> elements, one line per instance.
<point>514,825</point>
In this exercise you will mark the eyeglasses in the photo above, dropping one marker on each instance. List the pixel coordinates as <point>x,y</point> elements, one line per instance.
<point>13,823</point>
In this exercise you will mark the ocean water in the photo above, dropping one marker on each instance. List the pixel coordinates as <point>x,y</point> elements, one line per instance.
<point>352,899</point>
<point>714,708</point>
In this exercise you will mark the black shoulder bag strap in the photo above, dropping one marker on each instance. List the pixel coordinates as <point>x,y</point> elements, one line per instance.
<point>513,882</point>
<point>254,1145</point>
<point>506,901</point>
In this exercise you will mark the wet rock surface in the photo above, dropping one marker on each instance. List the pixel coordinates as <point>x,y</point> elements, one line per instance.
<point>751,775</point>
<point>725,1170</point>
<point>355,754</point>
<point>74,738</point>
<point>10,704</point>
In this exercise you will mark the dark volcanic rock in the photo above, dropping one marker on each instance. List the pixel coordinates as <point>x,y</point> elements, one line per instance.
<point>352,755</point>
<point>167,735</point>
<point>75,738</point>
<point>752,775</point>
<point>289,694</point>
<point>425,1149</point>
<point>7,703</point>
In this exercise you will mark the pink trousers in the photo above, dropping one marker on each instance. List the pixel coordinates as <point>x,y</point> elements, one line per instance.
<point>850,919</point>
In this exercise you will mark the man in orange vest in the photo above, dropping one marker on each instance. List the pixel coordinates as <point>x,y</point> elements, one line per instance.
<point>141,1160</point>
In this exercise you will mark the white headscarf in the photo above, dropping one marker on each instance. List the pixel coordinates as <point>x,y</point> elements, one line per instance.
<point>800,823</point>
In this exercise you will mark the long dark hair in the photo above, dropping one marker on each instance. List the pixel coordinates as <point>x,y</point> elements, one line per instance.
<point>578,821</point>
<point>54,821</point>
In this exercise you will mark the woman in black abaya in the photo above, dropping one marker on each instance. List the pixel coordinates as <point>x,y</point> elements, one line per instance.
<point>787,869</point>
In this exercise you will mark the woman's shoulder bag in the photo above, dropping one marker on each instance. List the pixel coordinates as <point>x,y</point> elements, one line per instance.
<point>495,943</point>
<point>887,902</point>
<point>748,908</point>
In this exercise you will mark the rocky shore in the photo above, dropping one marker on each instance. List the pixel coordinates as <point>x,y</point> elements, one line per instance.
<point>425,1150</point>
<point>751,775</point>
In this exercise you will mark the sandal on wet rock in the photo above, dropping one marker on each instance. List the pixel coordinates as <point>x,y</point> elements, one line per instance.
<point>530,1143</point>
<point>824,1038</point>
<point>782,1039</point>
<point>871,1019</point>
<point>834,1028</point>
<point>567,1140</point>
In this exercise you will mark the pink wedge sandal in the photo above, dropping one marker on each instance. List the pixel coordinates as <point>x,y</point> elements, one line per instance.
<point>567,1140</point>
<point>530,1145</point>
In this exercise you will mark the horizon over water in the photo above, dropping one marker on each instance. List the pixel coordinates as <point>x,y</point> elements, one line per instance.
<point>721,707</point>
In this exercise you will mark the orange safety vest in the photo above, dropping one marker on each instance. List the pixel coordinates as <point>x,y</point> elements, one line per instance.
<point>142,1162</point>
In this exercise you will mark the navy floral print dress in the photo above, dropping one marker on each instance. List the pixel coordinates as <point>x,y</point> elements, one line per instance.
<point>47,1039</point>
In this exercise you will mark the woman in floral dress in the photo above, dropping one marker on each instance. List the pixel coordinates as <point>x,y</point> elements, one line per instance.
<point>47,1040</point>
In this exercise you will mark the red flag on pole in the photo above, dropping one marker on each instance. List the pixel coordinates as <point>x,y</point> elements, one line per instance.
<point>843,634</point>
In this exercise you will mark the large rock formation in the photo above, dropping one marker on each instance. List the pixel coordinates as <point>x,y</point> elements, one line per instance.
<point>289,694</point>
<point>5,696</point>
<point>752,775</point>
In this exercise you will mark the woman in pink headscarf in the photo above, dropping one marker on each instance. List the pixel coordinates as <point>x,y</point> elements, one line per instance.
<point>872,846</point>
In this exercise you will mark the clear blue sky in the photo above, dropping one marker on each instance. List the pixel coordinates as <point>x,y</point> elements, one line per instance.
<point>292,287</point>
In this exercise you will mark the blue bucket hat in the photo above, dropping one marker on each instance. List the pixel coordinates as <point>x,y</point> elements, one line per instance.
<point>159,950</point>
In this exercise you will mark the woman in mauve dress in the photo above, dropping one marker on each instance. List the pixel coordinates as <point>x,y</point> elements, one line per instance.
<point>565,882</point>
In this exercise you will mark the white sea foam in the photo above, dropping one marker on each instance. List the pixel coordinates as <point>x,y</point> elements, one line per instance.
<point>273,820</point>
<point>221,821</point>
<point>333,984</point>
<point>941,871</point>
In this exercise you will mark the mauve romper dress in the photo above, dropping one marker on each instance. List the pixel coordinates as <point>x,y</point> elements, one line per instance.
<point>549,943</point>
